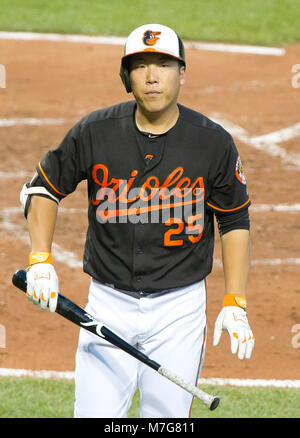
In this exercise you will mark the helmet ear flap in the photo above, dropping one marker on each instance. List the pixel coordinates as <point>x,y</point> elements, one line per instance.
<point>124,73</point>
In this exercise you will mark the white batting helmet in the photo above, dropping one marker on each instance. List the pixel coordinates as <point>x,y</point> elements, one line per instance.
<point>151,38</point>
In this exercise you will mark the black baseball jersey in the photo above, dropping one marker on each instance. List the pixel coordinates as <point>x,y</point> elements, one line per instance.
<point>151,198</point>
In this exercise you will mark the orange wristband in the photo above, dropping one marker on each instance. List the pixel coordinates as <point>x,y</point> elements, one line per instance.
<point>40,257</point>
<point>235,300</point>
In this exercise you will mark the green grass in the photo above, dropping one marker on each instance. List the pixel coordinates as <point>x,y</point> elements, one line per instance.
<point>251,403</point>
<point>36,398</point>
<point>271,22</point>
<point>41,398</point>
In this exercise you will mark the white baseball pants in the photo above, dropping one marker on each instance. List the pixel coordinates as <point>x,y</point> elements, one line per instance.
<point>169,327</point>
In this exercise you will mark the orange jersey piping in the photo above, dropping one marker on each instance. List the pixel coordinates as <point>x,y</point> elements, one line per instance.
<point>232,209</point>
<point>50,184</point>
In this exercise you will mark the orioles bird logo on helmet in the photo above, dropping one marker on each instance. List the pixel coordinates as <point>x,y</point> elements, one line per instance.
<point>150,38</point>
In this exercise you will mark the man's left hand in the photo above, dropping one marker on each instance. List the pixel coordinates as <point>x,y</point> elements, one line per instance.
<point>234,320</point>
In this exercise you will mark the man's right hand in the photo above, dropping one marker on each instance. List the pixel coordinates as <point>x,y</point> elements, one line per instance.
<point>42,281</point>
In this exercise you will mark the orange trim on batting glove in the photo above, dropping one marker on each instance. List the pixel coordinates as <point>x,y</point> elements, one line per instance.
<point>40,257</point>
<point>235,300</point>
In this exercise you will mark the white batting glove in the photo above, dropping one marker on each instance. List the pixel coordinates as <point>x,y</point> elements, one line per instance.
<point>42,281</point>
<point>233,318</point>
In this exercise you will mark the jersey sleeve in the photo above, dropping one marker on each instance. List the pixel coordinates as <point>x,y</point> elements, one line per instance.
<point>62,168</point>
<point>228,192</point>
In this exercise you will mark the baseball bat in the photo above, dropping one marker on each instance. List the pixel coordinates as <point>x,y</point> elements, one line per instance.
<point>71,311</point>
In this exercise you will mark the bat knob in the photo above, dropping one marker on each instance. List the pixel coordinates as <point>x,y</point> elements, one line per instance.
<point>19,279</point>
<point>214,403</point>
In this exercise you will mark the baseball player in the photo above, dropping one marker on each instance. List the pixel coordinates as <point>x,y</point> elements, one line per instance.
<point>157,174</point>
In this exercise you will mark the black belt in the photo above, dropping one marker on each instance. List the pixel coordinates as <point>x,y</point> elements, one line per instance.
<point>140,293</point>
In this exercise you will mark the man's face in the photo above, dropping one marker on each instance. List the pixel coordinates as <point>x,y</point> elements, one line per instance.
<point>155,80</point>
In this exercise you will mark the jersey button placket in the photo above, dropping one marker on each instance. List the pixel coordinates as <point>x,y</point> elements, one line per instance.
<point>138,257</point>
<point>139,284</point>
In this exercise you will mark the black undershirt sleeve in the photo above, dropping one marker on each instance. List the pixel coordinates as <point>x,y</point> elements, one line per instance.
<point>238,220</point>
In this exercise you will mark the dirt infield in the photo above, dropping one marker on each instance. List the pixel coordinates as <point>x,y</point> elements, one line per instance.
<point>48,80</point>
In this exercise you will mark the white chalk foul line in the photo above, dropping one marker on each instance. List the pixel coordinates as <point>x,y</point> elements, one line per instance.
<point>267,143</point>
<point>31,121</point>
<point>120,41</point>
<point>69,375</point>
<point>276,262</point>
<point>279,136</point>
<point>35,36</point>
<point>290,261</point>
<point>250,383</point>
<point>281,208</point>
<point>14,175</point>
<point>235,48</point>
<point>42,374</point>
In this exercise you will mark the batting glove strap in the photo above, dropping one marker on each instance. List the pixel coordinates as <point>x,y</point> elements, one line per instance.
<point>235,300</point>
<point>40,257</point>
